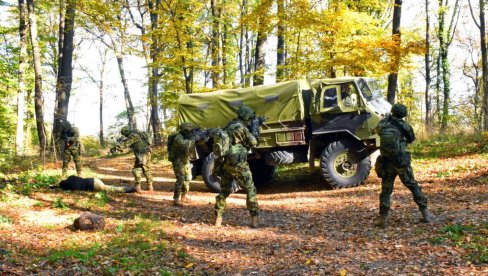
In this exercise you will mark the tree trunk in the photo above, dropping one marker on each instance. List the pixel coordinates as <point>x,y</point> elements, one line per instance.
<point>128,101</point>
<point>428,78</point>
<point>259,64</point>
<point>65,73</point>
<point>21,108</point>
<point>154,77</point>
<point>484,64</point>
<point>393,77</point>
<point>215,43</point>
<point>101,89</point>
<point>38,97</point>
<point>280,49</point>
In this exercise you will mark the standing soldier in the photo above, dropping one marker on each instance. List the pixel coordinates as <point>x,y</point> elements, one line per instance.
<point>179,152</point>
<point>72,147</point>
<point>395,133</point>
<point>140,145</point>
<point>235,166</point>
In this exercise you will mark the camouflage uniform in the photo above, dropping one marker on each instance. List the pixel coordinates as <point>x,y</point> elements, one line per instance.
<point>72,147</point>
<point>182,148</point>
<point>236,167</point>
<point>140,147</point>
<point>394,166</point>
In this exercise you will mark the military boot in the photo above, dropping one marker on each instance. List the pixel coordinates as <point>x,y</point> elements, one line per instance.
<point>185,198</point>
<point>138,188</point>
<point>150,187</point>
<point>254,221</point>
<point>177,202</point>
<point>427,216</point>
<point>381,221</point>
<point>218,221</point>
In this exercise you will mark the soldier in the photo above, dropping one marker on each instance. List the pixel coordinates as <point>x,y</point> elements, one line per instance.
<point>75,183</point>
<point>72,147</point>
<point>235,166</point>
<point>395,133</point>
<point>140,145</point>
<point>182,146</point>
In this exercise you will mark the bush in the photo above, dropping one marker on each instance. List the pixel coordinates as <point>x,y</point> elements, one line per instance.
<point>91,146</point>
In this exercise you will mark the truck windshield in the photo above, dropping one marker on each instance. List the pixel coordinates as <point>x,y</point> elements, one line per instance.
<point>369,89</point>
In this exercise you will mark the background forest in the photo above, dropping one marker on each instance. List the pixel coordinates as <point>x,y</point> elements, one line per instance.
<point>434,60</point>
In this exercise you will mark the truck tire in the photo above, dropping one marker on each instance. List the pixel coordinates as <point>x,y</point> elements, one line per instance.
<point>344,164</point>
<point>261,171</point>
<point>279,157</point>
<point>210,180</point>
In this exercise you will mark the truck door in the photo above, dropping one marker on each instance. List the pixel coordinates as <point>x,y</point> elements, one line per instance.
<point>339,107</point>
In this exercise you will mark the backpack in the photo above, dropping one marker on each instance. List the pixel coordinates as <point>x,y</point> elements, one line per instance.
<point>170,145</point>
<point>144,136</point>
<point>221,144</point>
<point>390,140</point>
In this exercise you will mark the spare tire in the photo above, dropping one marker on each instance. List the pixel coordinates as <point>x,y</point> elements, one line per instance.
<point>280,157</point>
<point>211,180</point>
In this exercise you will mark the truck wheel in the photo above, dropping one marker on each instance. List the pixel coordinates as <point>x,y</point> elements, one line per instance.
<point>343,164</point>
<point>261,172</point>
<point>278,157</point>
<point>211,180</point>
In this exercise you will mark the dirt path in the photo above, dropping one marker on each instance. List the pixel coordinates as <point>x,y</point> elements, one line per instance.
<point>304,228</point>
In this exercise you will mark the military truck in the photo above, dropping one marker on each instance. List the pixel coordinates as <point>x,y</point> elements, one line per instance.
<point>332,120</point>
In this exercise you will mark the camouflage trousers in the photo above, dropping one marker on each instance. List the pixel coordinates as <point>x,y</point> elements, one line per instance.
<point>98,185</point>
<point>71,152</point>
<point>407,178</point>
<point>183,178</point>
<point>141,166</point>
<point>242,175</point>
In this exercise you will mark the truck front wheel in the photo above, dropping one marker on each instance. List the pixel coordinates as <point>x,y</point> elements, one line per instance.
<point>344,164</point>
<point>209,178</point>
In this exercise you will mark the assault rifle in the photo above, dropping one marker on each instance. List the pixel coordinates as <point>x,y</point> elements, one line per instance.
<point>254,125</point>
<point>203,134</point>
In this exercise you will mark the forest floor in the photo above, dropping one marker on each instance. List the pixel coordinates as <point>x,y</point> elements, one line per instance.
<point>305,229</point>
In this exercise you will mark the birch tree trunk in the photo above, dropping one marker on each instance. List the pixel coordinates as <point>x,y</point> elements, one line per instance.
<point>38,97</point>
<point>21,108</point>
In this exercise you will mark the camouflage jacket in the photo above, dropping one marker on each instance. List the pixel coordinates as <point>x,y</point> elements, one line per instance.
<point>135,142</point>
<point>71,137</point>
<point>182,148</point>
<point>241,141</point>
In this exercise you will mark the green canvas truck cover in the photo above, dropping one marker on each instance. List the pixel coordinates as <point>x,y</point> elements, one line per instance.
<point>279,103</point>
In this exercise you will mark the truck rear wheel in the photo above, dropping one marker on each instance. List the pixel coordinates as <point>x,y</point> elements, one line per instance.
<point>209,178</point>
<point>344,164</point>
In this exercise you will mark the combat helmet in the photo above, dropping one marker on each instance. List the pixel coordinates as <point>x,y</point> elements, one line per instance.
<point>186,127</point>
<point>245,113</point>
<point>125,131</point>
<point>399,110</point>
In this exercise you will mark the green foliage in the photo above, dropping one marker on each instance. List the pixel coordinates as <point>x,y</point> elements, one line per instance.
<point>102,198</point>
<point>449,145</point>
<point>5,220</point>
<point>59,203</point>
<point>80,254</point>
<point>473,238</point>
<point>28,182</point>
<point>91,146</point>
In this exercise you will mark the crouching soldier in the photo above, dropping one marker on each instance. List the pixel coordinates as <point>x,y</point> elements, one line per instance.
<point>141,147</point>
